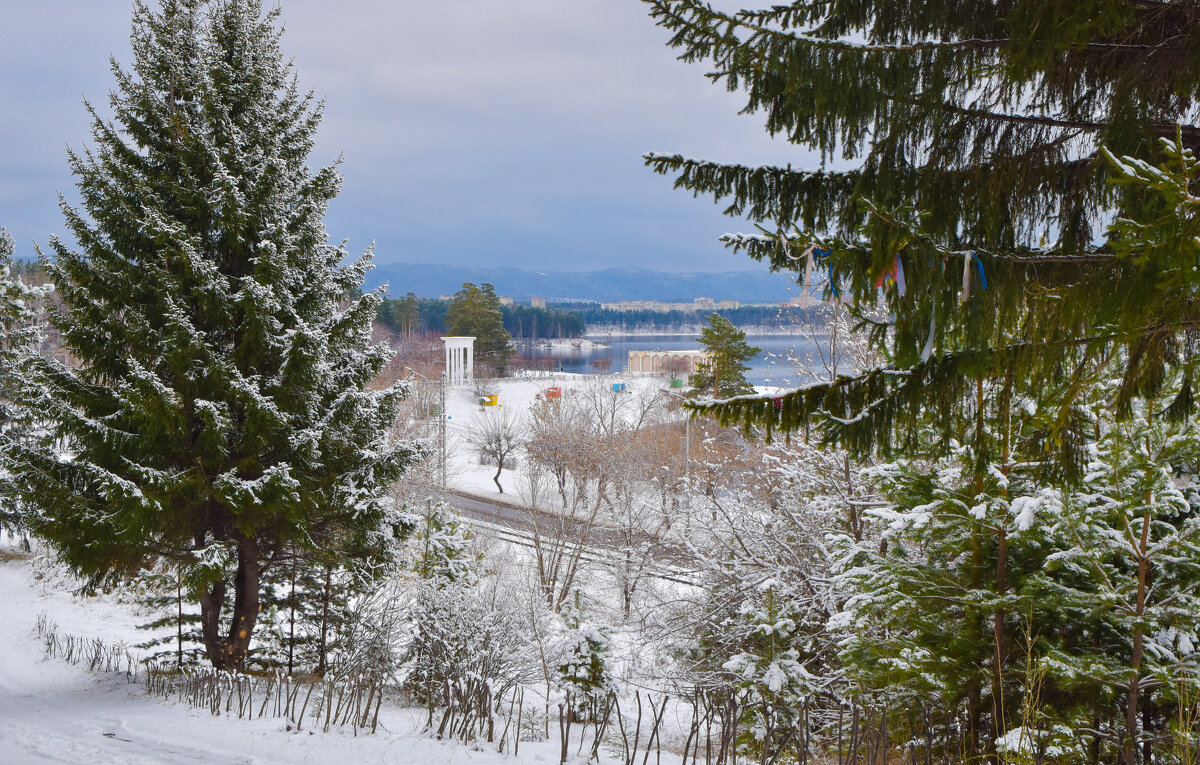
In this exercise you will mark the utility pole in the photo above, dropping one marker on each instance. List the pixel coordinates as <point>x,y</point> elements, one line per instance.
<point>687,449</point>
<point>442,431</point>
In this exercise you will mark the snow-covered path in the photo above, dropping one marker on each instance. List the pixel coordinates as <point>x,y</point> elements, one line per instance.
<point>51,712</point>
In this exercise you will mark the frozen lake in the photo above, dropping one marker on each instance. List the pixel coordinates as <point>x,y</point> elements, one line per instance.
<point>770,367</point>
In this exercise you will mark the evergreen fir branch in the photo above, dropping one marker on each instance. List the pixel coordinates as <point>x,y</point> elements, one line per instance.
<point>763,193</point>
<point>1030,139</point>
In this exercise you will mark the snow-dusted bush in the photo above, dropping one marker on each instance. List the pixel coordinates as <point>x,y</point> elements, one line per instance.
<point>463,633</point>
<point>585,673</point>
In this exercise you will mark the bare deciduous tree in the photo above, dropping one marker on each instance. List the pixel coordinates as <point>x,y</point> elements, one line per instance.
<point>560,535</point>
<point>601,365</point>
<point>497,436</point>
<point>677,366</point>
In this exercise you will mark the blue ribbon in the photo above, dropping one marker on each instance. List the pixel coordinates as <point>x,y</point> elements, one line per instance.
<point>832,284</point>
<point>979,267</point>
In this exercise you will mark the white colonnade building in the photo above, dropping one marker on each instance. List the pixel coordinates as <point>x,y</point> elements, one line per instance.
<point>677,362</point>
<point>460,361</point>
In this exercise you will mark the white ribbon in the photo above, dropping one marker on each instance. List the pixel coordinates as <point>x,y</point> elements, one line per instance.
<point>966,285</point>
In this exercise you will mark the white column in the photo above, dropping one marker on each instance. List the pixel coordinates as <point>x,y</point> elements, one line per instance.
<point>460,360</point>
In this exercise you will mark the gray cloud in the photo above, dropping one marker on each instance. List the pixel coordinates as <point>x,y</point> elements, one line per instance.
<point>474,132</point>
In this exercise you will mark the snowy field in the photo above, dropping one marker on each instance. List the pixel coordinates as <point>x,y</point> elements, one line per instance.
<point>51,712</point>
<point>516,395</point>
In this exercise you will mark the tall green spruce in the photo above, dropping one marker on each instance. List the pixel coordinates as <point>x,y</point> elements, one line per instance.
<point>475,312</point>
<point>220,415</point>
<point>724,373</point>
<point>1017,201</point>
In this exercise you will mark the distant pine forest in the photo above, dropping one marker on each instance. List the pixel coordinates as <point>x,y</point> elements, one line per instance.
<point>571,320</point>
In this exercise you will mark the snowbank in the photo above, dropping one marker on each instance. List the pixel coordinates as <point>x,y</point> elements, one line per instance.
<point>51,712</point>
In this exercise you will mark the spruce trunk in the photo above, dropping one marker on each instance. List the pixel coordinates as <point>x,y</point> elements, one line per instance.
<point>998,635</point>
<point>1131,710</point>
<point>229,653</point>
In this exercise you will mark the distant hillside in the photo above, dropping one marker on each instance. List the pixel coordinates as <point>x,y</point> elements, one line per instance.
<point>432,280</point>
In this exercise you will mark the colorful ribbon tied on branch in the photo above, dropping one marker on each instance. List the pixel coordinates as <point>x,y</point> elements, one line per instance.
<point>825,253</point>
<point>968,259</point>
<point>894,275</point>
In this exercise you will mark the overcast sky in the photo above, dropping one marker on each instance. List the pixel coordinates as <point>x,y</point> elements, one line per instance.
<point>474,132</point>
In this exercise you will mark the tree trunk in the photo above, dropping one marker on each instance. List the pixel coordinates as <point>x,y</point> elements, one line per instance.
<point>1002,559</point>
<point>212,600</point>
<point>998,635</point>
<point>1131,710</point>
<point>245,604</point>
<point>179,619</point>
<point>292,619</point>
<point>229,653</point>
<point>326,595</point>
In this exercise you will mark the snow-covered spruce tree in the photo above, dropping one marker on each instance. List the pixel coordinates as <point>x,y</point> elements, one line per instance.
<point>175,625</point>
<point>444,645</point>
<point>442,546</point>
<point>468,641</point>
<point>19,335</point>
<point>313,594</point>
<point>1131,579</point>
<point>586,673</point>
<point>973,221</point>
<point>1000,608</point>
<point>932,609</point>
<point>768,671</point>
<point>220,411</point>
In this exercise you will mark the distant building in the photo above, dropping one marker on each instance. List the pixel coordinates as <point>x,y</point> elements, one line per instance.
<point>537,302</point>
<point>506,301</point>
<point>697,305</point>
<point>804,300</point>
<point>676,363</point>
<point>637,305</point>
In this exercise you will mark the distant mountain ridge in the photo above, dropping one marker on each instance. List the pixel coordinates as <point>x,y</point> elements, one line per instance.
<point>431,280</point>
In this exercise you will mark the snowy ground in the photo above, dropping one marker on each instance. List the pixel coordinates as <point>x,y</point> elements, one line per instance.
<point>465,474</point>
<point>51,712</point>
<point>516,396</point>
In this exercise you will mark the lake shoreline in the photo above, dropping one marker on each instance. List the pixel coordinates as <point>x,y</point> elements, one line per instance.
<point>611,352</point>
<point>750,332</point>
